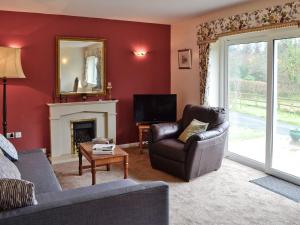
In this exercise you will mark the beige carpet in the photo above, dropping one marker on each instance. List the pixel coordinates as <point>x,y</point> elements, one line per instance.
<point>222,197</point>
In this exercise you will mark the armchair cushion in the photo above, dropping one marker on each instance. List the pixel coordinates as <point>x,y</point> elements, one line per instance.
<point>164,130</point>
<point>194,127</point>
<point>169,148</point>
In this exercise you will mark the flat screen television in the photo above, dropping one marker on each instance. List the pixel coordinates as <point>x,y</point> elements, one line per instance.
<point>151,108</point>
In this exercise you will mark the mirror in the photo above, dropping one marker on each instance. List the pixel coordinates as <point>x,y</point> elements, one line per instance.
<point>80,66</point>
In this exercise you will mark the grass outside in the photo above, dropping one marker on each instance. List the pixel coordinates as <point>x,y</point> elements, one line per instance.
<point>259,110</point>
<point>241,133</point>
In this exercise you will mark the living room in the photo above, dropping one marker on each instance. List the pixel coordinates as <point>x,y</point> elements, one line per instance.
<point>216,64</point>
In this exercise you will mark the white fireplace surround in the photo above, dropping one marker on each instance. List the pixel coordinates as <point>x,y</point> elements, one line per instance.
<point>63,114</point>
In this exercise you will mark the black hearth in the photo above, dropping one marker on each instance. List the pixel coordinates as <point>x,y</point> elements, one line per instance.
<point>82,131</point>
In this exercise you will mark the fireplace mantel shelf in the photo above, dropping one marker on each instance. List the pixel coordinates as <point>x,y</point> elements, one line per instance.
<point>82,103</point>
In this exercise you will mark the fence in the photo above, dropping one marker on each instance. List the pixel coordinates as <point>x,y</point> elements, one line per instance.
<point>256,100</point>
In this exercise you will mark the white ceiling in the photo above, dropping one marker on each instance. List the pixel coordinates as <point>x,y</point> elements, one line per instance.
<point>155,11</point>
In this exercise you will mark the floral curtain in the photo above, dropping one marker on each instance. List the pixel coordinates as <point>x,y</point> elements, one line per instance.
<point>272,17</point>
<point>203,63</point>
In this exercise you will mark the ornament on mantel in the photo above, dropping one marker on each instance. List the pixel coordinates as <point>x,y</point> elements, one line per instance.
<point>109,88</point>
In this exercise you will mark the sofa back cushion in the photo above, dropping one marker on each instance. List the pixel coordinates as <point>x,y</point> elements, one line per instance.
<point>35,167</point>
<point>212,115</point>
<point>8,169</point>
<point>8,148</point>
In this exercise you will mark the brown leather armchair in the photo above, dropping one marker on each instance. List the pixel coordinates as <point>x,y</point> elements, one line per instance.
<point>202,153</point>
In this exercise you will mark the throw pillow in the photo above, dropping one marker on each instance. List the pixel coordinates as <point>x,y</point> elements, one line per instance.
<point>8,169</point>
<point>8,149</point>
<point>194,127</point>
<point>16,194</point>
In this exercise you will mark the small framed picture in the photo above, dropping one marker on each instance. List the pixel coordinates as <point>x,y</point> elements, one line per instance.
<point>185,59</point>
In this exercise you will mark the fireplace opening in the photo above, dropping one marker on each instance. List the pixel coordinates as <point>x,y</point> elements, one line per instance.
<point>82,131</point>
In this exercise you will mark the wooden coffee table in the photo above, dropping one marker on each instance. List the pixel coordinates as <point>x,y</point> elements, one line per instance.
<point>85,149</point>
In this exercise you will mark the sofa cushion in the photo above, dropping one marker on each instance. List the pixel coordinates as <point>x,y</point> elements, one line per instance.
<point>84,192</point>
<point>8,148</point>
<point>16,193</point>
<point>8,169</point>
<point>169,148</point>
<point>35,167</point>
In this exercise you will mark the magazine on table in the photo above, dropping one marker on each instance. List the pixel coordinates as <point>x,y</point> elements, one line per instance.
<point>103,149</point>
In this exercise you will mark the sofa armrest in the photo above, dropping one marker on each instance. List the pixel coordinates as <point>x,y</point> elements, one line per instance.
<point>128,204</point>
<point>164,130</point>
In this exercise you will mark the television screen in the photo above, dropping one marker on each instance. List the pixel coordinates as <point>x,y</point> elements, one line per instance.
<point>154,108</point>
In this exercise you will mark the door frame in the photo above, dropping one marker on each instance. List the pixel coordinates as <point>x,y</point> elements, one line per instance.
<point>268,36</point>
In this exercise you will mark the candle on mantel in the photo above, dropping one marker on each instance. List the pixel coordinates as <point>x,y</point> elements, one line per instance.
<point>109,87</point>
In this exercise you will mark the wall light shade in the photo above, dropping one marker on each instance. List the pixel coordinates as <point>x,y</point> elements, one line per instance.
<point>10,67</point>
<point>10,63</point>
<point>140,53</point>
<point>64,60</point>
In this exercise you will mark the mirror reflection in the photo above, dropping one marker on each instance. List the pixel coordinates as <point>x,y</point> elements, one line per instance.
<point>81,67</point>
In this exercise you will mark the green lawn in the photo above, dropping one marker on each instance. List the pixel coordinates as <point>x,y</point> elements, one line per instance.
<point>241,134</point>
<point>260,111</point>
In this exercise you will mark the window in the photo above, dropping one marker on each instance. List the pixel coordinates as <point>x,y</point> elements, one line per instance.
<point>92,71</point>
<point>261,92</point>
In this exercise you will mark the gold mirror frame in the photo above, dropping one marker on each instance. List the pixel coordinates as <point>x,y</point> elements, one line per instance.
<point>59,62</point>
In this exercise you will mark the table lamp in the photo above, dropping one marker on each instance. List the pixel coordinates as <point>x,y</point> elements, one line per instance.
<point>10,67</point>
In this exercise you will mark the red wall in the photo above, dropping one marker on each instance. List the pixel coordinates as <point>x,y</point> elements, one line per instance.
<point>36,33</point>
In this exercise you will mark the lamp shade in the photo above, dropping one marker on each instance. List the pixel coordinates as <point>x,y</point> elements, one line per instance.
<point>10,63</point>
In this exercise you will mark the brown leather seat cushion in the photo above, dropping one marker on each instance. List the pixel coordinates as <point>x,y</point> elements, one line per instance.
<point>170,148</point>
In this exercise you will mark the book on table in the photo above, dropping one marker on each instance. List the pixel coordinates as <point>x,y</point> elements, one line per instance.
<point>101,140</point>
<point>103,149</point>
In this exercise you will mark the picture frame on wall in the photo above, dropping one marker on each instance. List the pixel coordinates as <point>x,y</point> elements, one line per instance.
<point>185,59</point>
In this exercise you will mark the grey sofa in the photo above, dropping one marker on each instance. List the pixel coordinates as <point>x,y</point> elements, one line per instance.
<point>202,153</point>
<point>115,203</point>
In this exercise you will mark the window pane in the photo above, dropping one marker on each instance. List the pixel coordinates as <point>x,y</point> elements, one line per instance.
<point>286,141</point>
<point>247,97</point>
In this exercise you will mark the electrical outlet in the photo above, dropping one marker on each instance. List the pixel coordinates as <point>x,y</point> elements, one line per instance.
<point>18,134</point>
<point>10,135</point>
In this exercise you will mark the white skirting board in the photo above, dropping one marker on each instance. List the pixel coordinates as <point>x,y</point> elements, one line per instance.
<point>129,145</point>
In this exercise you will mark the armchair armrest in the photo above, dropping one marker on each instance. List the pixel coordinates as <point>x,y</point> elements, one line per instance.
<point>164,130</point>
<point>216,131</point>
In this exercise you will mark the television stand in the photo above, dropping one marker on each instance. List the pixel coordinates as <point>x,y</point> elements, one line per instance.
<point>143,131</point>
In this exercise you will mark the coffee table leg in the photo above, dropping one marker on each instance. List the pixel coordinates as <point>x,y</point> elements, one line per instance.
<point>126,167</point>
<point>108,167</point>
<point>80,162</point>
<point>141,140</point>
<point>93,170</point>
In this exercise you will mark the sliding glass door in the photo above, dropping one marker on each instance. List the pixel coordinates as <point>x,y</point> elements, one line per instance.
<point>286,138</point>
<point>262,96</point>
<point>247,97</point>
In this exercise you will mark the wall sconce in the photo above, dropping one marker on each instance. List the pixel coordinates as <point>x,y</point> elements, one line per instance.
<point>64,60</point>
<point>140,53</point>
